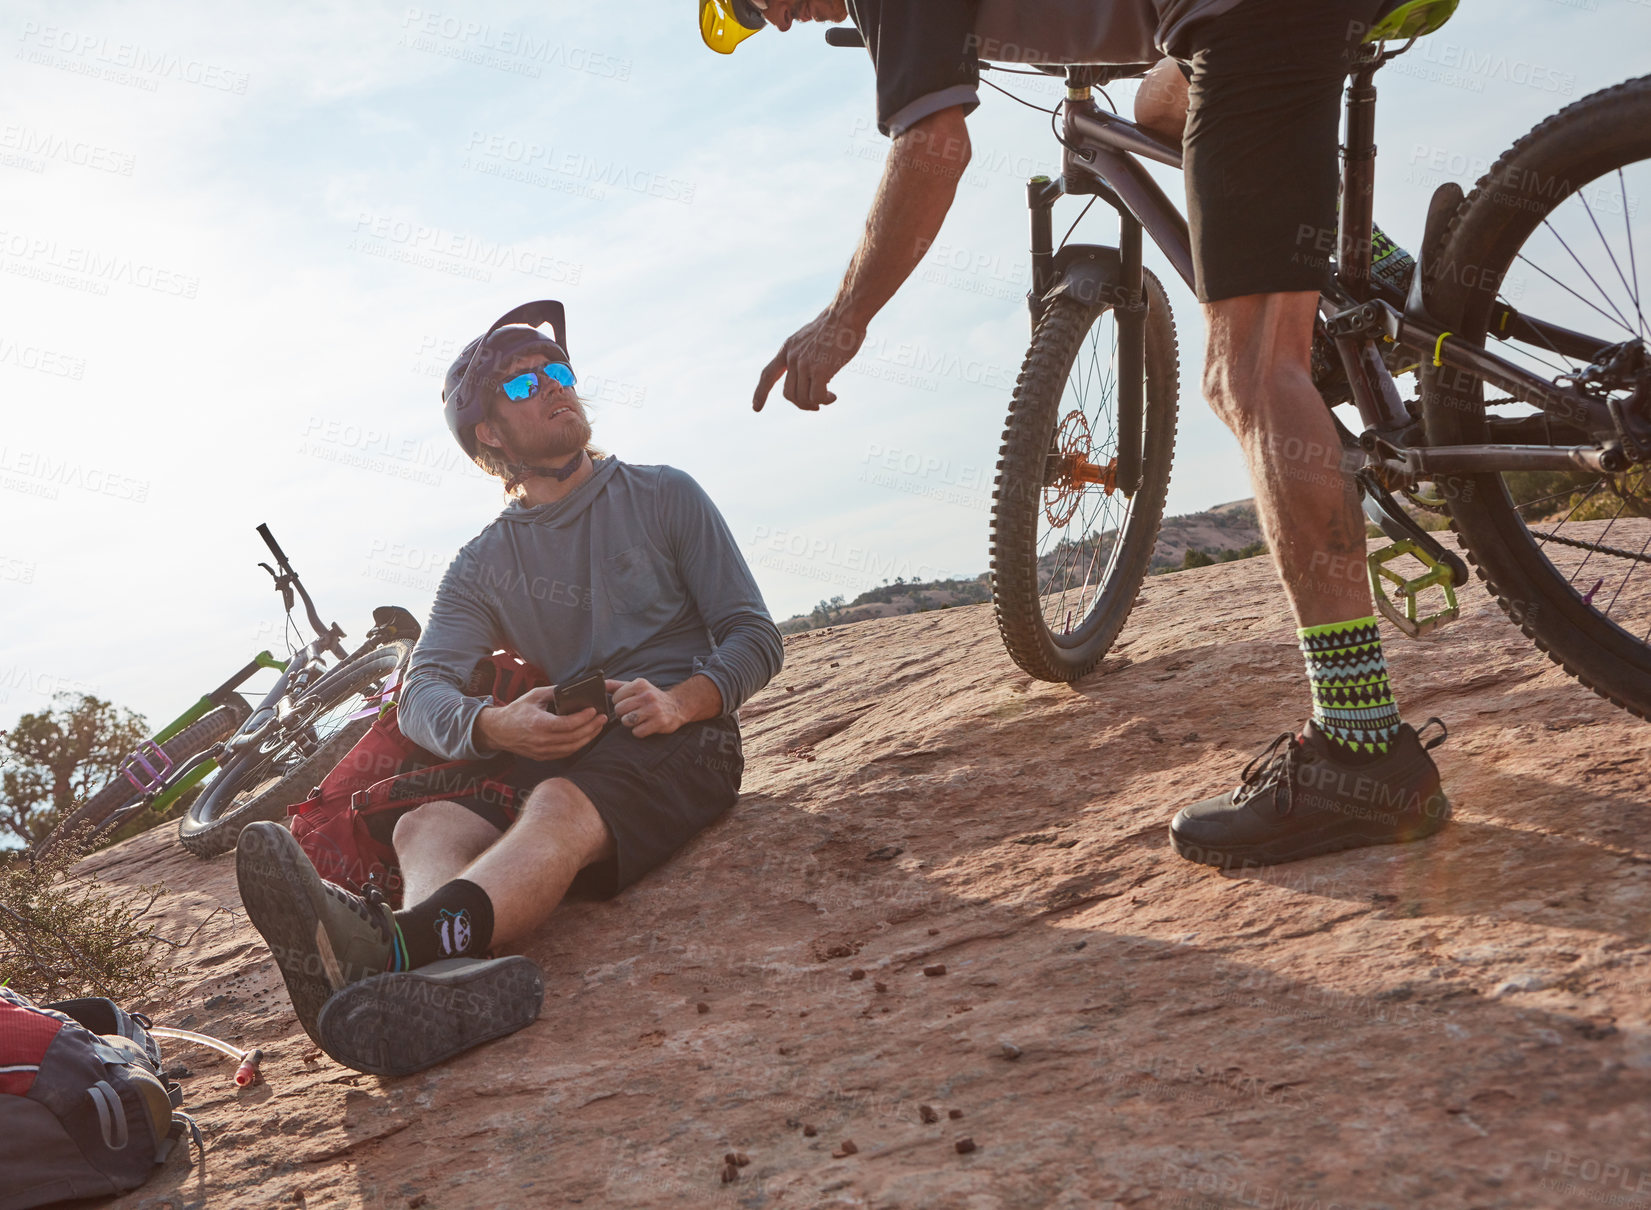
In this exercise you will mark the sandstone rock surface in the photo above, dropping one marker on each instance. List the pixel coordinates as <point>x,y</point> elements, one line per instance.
<point>1465,1022</point>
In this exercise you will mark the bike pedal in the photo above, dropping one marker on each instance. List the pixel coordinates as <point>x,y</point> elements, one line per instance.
<point>1436,574</point>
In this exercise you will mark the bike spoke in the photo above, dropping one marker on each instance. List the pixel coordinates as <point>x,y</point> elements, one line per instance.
<point>1628,230</point>
<point>1612,256</point>
<point>1574,294</point>
<point>1639,557</point>
<point>1621,318</point>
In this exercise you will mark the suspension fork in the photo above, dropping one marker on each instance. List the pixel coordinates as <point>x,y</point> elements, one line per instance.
<point>1132,355</point>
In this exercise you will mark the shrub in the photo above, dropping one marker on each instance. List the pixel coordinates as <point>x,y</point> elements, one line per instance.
<point>63,936</point>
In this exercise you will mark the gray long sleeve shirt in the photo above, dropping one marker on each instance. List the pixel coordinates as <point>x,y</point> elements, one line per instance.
<point>634,572</point>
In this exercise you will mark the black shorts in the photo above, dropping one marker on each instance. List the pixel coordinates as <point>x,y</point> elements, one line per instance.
<point>1261,150</point>
<point>654,793</point>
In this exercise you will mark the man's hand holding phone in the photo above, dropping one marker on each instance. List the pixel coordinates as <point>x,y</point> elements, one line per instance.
<point>527,726</point>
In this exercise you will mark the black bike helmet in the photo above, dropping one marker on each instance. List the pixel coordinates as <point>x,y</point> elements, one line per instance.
<point>463,394</point>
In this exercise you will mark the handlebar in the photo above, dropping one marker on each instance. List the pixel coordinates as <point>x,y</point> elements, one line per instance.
<point>844,35</point>
<point>274,547</point>
<point>287,581</point>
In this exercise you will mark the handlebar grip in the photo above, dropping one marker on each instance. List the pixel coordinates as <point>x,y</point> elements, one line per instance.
<point>274,547</point>
<point>840,35</point>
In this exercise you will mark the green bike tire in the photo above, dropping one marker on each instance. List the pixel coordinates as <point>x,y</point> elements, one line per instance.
<point>92,817</point>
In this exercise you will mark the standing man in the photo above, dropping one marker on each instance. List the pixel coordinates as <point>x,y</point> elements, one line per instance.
<point>595,564</point>
<point>1265,79</point>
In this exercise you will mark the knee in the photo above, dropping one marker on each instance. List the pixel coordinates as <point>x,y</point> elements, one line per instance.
<point>560,809</point>
<point>1161,102</point>
<point>421,823</point>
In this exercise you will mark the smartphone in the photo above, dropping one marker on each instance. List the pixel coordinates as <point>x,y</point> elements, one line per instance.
<point>591,691</point>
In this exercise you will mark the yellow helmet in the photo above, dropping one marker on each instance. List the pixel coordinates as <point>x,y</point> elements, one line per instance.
<point>724,24</point>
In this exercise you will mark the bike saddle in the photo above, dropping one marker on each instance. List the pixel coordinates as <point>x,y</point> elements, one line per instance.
<point>1412,19</point>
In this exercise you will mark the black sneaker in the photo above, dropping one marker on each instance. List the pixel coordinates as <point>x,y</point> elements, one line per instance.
<point>400,1023</point>
<point>1298,799</point>
<point>322,936</point>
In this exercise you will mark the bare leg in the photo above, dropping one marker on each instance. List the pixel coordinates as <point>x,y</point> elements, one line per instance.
<point>525,874</point>
<point>434,843</point>
<point>1258,380</point>
<point>1161,102</point>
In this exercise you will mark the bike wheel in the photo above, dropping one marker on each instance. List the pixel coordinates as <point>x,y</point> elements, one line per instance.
<point>261,783</point>
<point>1556,227</point>
<point>92,818</point>
<point>1069,552</point>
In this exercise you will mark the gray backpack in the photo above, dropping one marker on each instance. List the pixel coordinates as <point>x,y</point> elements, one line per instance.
<point>84,1109</point>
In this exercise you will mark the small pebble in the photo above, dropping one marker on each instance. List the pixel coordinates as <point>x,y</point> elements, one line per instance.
<point>965,1145</point>
<point>938,968</point>
<point>954,1114</point>
<point>702,1007</point>
<point>927,1114</point>
<point>856,974</point>
<point>934,932</point>
<point>809,1132</point>
<point>1011,1051</point>
<point>413,1203</point>
<point>741,1159</point>
<point>881,986</point>
<point>785,1050</point>
<point>730,1174</point>
<point>834,663</point>
<point>846,1147</point>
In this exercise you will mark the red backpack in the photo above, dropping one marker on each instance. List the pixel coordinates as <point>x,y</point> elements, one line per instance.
<point>345,825</point>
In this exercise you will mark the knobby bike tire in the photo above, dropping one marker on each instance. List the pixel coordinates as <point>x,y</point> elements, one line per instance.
<point>215,819</point>
<point>1019,499</point>
<point>216,724</point>
<point>1598,134</point>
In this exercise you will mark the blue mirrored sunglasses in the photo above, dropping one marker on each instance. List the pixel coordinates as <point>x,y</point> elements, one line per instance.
<point>526,386</point>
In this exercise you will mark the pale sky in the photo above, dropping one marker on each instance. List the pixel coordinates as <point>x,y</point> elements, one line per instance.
<point>239,245</point>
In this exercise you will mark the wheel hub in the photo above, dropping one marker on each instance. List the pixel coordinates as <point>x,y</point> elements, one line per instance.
<point>1070,471</point>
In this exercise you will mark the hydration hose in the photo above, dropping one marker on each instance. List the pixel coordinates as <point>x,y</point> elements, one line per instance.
<point>246,1074</point>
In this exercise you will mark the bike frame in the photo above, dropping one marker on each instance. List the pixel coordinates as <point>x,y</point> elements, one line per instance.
<point>1102,157</point>
<point>160,781</point>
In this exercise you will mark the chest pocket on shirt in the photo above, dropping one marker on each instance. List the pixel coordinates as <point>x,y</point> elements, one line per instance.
<point>632,580</point>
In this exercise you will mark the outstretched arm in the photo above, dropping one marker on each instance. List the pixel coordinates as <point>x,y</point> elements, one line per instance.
<point>919,182</point>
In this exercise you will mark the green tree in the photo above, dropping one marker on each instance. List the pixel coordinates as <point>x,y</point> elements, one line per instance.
<point>1196,558</point>
<point>53,760</point>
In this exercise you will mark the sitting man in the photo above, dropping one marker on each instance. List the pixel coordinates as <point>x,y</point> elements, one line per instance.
<point>594,564</point>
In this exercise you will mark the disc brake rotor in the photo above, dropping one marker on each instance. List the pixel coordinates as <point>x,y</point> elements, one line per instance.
<point>1071,473</point>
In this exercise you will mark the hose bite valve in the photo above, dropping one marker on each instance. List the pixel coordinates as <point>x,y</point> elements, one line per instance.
<point>246,1074</point>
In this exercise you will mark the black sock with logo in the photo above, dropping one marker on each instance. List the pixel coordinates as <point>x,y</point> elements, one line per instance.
<point>455,922</point>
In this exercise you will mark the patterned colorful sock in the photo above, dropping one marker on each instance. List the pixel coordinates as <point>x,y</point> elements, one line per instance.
<point>1352,699</point>
<point>454,922</point>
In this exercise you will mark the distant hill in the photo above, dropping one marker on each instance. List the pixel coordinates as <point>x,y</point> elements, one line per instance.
<point>1218,534</point>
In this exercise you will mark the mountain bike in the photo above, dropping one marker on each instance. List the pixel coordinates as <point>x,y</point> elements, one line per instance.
<point>266,757</point>
<point>1530,432</point>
